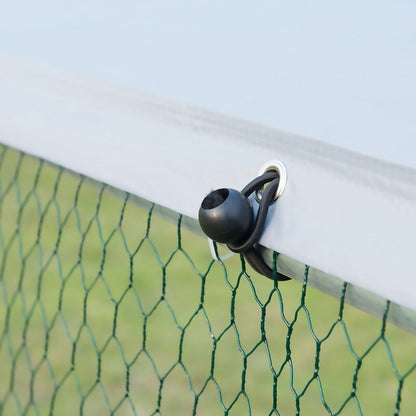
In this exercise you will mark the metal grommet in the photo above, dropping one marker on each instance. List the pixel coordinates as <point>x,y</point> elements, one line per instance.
<point>279,167</point>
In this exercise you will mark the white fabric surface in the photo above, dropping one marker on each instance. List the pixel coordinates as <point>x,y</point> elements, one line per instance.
<point>346,214</point>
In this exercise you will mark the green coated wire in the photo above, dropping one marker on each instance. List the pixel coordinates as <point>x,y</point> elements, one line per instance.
<point>72,264</point>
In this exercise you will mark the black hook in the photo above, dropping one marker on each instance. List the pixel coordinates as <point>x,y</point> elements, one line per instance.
<point>226,216</point>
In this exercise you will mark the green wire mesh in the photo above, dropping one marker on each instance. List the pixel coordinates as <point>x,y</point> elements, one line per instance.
<point>107,308</point>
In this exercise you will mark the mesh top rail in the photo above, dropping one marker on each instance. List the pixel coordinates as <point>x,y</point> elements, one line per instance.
<point>108,308</point>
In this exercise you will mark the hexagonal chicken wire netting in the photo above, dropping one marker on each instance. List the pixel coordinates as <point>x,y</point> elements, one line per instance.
<point>108,307</point>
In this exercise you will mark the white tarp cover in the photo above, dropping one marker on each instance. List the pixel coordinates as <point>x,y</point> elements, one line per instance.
<point>340,76</point>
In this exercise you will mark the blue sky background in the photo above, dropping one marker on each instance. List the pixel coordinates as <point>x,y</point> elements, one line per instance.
<point>342,72</point>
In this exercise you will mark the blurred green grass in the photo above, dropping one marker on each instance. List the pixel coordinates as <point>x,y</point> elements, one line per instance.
<point>107,308</point>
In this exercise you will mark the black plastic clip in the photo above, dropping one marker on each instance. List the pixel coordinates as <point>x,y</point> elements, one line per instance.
<point>226,216</point>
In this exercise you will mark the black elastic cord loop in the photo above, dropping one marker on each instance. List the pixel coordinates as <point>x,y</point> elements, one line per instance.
<point>258,182</point>
<point>246,247</point>
<point>266,201</point>
<point>256,261</point>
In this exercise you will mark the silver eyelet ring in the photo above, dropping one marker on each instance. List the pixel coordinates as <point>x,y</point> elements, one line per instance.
<point>278,166</point>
